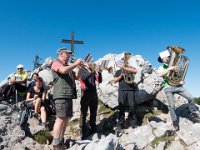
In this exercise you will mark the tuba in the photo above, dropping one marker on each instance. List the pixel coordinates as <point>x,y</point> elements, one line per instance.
<point>182,62</point>
<point>128,77</point>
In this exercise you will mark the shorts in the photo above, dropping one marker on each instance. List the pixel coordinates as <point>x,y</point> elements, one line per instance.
<point>64,108</point>
<point>30,104</point>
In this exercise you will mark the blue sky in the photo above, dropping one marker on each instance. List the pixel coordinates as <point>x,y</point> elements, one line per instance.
<point>145,27</point>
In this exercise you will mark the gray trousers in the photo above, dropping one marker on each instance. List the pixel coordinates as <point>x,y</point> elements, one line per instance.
<point>170,91</point>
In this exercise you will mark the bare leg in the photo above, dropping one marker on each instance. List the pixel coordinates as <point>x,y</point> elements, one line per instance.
<point>43,114</point>
<point>64,128</point>
<point>57,129</point>
<point>37,105</point>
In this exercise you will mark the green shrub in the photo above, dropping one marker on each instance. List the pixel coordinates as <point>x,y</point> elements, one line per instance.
<point>43,137</point>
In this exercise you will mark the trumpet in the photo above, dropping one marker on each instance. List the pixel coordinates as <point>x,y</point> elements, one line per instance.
<point>95,67</point>
<point>104,66</point>
<point>84,64</point>
<point>73,59</point>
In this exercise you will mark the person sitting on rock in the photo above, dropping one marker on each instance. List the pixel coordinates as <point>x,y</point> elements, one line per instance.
<point>35,99</point>
<point>17,82</point>
<point>164,57</point>
<point>35,77</point>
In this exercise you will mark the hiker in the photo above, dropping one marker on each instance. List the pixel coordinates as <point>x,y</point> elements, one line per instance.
<point>89,98</point>
<point>63,93</point>
<point>125,95</point>
<point>163,70</point>
<point>35,99</point>
<point>35,77</point>
<point>17,82</point>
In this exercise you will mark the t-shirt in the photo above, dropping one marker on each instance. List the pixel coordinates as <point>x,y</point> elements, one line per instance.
<point>32,84</point>
<point>56,65</point>
<point>122,84</point>
<point>22,76</point>
<point>161,69</point>
<point>33,92</point>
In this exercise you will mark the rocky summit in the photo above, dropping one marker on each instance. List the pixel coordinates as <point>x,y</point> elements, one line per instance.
<point>153,132</point>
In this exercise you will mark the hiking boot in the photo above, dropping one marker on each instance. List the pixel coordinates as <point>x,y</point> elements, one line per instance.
<point>92,131</point>
<point>133,121</point>
<point>63,143</point>
<point>36,115</point>
<point>194,118</point>
<point>58,146</point>
<point>176,125</point>
<point>118,131</point>
<point>83,133</point>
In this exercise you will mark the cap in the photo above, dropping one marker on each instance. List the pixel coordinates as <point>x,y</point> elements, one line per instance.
<point>20,66</point>
<point>164,54</point>
<point>63,50</point>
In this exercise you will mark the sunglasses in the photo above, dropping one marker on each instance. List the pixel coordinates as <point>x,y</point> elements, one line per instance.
<point>19,68</point>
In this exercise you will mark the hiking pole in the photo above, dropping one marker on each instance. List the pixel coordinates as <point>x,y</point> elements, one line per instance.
<point>16,99</point>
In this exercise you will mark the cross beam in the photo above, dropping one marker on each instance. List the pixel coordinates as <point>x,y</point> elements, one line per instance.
<point>72,42</point>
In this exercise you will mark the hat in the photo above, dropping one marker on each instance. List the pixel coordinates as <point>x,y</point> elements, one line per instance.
<point>64,50</point>
<point>20,66</point>
<point>164,54</point>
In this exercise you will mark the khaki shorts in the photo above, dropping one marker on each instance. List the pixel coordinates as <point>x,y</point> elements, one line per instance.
<point>64,108</point>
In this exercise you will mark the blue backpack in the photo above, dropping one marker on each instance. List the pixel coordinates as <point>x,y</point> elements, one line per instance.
<point>23,114</point>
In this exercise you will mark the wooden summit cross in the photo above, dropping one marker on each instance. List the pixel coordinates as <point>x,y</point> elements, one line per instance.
<point>72,42</point>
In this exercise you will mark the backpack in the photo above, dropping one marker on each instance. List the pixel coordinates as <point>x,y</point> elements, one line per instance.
<point>23,114</point>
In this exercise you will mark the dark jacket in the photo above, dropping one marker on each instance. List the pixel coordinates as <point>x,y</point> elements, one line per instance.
<point>88,80</point>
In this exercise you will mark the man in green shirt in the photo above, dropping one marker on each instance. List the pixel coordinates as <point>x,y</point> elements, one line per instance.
<point>171,90</point>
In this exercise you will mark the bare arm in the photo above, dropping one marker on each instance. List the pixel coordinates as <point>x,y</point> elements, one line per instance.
<point>117,79</point>
<point>166,71</point>
<point>67,69</point>
<point>130,69</point>
<point>28,97</point>
<point>20,81</point>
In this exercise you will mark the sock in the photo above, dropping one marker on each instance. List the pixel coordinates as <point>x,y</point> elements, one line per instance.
<point>56,141</point>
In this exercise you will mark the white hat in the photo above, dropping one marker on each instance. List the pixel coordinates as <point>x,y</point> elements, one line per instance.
<point>164,54</point>
<point>20,66</point>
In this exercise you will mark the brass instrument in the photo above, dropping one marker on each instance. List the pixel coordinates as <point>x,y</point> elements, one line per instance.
<point>128,77</point>
<point>182,62</point>
<point>73,59</point>
<point>95,67</point>
<point>109,69</point>
<point>104,66</point>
